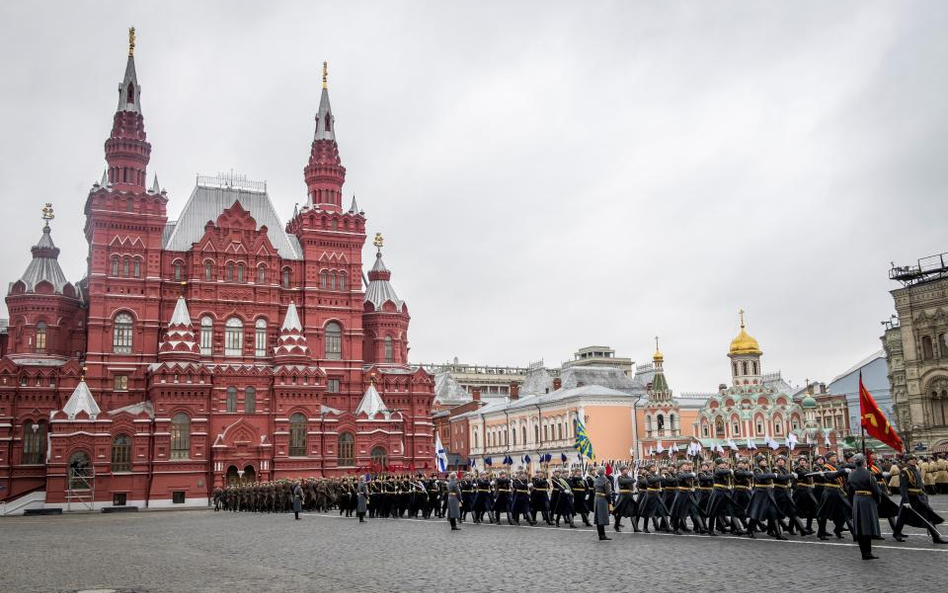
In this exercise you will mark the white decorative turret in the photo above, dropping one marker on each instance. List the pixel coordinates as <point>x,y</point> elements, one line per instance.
<point>292,346</point>
<point>372,403</point>
<point>179,342</point>
<point>81,400</point>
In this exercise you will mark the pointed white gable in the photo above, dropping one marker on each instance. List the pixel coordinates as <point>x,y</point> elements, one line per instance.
<point>81,400</point>
<point>181,315</point>
<point>371,403</point>
<point>292,320</point>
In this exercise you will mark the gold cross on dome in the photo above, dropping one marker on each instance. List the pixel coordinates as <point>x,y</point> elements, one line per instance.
<point>378,241</point>
<point>741,313</point>
<point>131,41</point>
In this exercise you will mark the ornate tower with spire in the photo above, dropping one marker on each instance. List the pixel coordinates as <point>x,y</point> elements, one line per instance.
<point>745,356</point>
<point>386,316</point>
<point>127,152</point>
<point>46,310</point>
<point>124,228</point>
<point>324,172</point>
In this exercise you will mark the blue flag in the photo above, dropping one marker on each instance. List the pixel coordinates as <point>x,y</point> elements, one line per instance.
<point>563,457</point>
<point>526,458</point>
<point>488,461</point>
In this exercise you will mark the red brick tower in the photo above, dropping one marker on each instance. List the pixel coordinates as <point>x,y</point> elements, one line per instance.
<point>386,316</point>
<point>324,173</point>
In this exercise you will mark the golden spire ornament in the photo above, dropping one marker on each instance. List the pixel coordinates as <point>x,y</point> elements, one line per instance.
<point>378,241</point>
<point>131,42</point>
<point>48,212</point>
<point>325,74</point>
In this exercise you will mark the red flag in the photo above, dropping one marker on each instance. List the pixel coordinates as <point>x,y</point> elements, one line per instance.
<point>874,421</point>
<point>608,469</point>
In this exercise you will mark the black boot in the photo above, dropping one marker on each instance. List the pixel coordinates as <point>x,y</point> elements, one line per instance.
<point>602,533</point>
<point>454,525</point>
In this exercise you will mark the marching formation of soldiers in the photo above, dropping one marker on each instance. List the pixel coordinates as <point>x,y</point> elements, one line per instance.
<point>764,496</point>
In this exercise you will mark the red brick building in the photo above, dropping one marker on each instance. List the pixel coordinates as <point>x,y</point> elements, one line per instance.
<point>220,346</point>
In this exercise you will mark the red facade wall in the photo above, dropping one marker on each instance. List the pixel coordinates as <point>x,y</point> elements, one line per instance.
<point>140,392</point>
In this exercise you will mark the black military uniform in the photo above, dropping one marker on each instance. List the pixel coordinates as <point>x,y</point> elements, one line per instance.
<point>915,510</point>
<point>625,504</point>
<point>864,491</point>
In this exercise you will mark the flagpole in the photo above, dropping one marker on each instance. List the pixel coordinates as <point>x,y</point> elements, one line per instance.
<point>862,428</point>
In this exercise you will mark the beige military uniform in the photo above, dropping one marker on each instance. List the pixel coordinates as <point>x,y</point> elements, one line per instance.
<point>941,473</point>
<point>928,474</point>
<point>894,478</point>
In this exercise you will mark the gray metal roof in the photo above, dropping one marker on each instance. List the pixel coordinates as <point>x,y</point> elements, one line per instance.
<point>44,266</point>
<point>207,203</point>
<point>447,390</point>
<point>130,77</point>
<point>324,109</point>
<point>380,290</point>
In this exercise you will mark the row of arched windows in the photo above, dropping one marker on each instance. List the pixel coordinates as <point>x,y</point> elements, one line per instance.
<point>929,351</point>
<point>250,400</point>
<point>345,444</point>
<point>332,280</point>
<point>122,337</point>
<point>127,267</point>
<point>745,366</point>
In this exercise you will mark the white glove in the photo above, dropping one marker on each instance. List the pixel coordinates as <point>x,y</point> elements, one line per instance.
<point>907,505</point>
<point>849,470</point>
<point>794,474</point>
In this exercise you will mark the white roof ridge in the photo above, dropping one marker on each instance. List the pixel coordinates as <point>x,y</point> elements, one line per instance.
<point>291,321</point>
<point>81,400</point>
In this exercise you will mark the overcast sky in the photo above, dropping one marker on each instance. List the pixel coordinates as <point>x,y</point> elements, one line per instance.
<point>547,175</point>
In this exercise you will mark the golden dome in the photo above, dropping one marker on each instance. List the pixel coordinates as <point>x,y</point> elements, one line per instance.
<point>744,343</point>
<point>658,356</point>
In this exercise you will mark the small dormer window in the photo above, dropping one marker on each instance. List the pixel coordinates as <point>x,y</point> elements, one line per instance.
<point>130,94</point>
<point>328,121</point>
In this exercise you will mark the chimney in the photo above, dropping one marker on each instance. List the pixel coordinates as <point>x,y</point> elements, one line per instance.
<point>476,394</point>
<point>822,388</point>
<point>557,384</point>
<point>514,390</point>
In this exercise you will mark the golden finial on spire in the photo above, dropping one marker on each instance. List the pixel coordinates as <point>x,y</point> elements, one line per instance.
<point>658,356</point>
<point>48,212</point>
<point>378,241</point>
<point>131,42</point>
<point>325,74</point>
<point>741,313</point>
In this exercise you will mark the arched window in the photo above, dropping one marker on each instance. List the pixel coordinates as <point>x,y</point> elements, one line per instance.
<point>559,431</point>
<point>735,369</point>
<point>778,428</point>
<point>122,334</point>
<point>80,471</point>
<point>474,438</point>
<point>379,457</point>
<point>719,428</point>
<point>671,422</point>
<point>744,367</point>
<point>231,399</point>
<point>40,344</point>
<point>536,433</point>
<point>333,341</point>
<point>332,281</point>
<point>928,352</point>
<point>180,436</point>
<point>138,268</point>
<point>660,422</point>
<point>250,400</point>
<point>760,427</point>
<point>342,281</point>
<point>178,271</point>
<point>126,263</point>
<point>523,433</point>
<point>130,93</point>
<point>513,436</point>
<point>735,429</point>
<point>298,435</point>
<point>230,272</point>
<point>261,274</point>
<point>286,277</point>
<point>129,205</point>
<point>389,350</point>
<point>115,265</point>
<point>208,270</point>
<point>240,272</point>
<point>233,337</point>
<point>346,449</point>
<point>260,337</point>
<point>34,442</point>
<point>546,432</point>
<point>207,335</point>
<point>754,366</point>
<point>121,453</point>
<point>323,279</point>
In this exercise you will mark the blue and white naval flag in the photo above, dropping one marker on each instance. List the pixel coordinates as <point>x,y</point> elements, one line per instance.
<point>441,456</point>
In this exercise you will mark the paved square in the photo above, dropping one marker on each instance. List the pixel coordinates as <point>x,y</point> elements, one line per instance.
<point>206,551</point>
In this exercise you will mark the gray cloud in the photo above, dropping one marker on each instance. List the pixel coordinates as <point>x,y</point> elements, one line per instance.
<point>548,175</point>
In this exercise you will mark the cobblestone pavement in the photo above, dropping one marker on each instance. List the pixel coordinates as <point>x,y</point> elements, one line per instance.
<point>203,551</point>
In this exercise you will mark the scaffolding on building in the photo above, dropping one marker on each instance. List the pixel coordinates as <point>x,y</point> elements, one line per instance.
<point>928,268</point>
<point>80,488</point>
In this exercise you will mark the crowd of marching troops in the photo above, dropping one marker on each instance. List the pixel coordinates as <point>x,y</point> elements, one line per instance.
<point>763,496</point>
